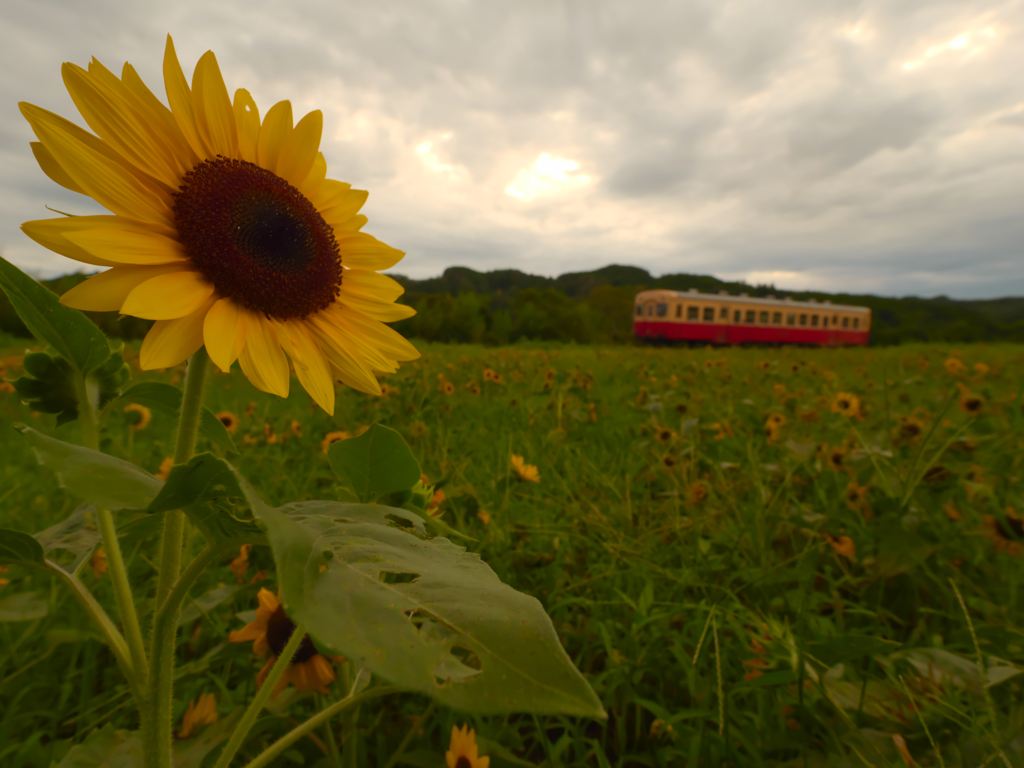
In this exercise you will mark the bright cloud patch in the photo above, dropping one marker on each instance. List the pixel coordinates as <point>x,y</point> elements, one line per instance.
<point>548,174</point>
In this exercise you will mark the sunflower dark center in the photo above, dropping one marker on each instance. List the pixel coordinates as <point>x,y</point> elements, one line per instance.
<point>257,239</point>
<point>463,762</point>
<point>279,632</point>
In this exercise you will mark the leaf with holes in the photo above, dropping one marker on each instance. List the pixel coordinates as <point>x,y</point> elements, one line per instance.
<point>376,463</point>
<point>422,613</point>
<point>76,537</point>
<point>93,476</point>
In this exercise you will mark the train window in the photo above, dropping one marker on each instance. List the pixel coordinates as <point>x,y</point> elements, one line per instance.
<point>750,316</point>
<point>724,314</point>
<point>790,319</point>
<point>814,320</point>
<point>846,322</point>
<point>856,322</point>
<point>777,318</point>
<point>709,314</point>
<point>803,319</point>
<point>835,319</point>
<point>736,316</point>
<point>662,310</point>
<point>692,313</point>
<point>764,318</point>
<point>639,310</point>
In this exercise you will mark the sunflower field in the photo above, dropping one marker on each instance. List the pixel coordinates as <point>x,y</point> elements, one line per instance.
<point>789,556</point>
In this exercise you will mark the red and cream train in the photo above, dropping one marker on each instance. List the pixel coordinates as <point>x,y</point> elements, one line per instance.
<point>722,318</point>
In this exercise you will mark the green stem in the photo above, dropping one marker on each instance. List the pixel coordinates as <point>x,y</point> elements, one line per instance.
<point>104,624</point>
<point>115,561</point>
<point>256,706</point>
<point>408,737</point>
<point>156,718</point>
<point>299,731</point>
<point>349,722</point>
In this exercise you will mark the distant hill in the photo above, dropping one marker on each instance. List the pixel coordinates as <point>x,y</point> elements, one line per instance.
<point>499,307</point>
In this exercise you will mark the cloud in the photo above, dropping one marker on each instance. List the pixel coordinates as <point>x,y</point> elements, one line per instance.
<point>723,137</point>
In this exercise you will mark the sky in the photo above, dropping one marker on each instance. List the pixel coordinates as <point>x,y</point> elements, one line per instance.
<point>867,147</point>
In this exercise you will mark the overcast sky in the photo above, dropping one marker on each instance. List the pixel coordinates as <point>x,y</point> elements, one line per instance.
<point>867,147</point>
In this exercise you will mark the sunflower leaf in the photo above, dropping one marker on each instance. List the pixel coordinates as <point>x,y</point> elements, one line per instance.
<point>24,606</point>
<point>167,399</point>
<point>422,613</point>
<point>92,476</point>
<point>68,331</point>
<point>376,463</point>
<point>77,535</point>
<point>17,547</point>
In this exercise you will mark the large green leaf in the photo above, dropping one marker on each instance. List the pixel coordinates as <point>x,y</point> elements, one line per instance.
<point>206,488</point>
<point>23,606</point>
<point>76,536</point>
<point>375,463</point>
<point>423,613</point>
<point>67,330</point>
<point>93,476</point>
<point>167,399</point>
<point>18,547</point>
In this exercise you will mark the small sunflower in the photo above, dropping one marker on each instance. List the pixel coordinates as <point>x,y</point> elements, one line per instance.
<point>954,367</point>
<point>775,421</point>
<point>463,751</point>
<point>332,437</point>
<point>857,499</point>
<point>165,468</point>
<point>525,471</point>
<point>296,428</point>
<point>1006,535</point>
<point>847,404</point>
<point>99,562</point>
<point>473,387</point>
<point>241,563</point>
<point>835,458</point>
<point>309,671</point>
<point>664,435</point>
<point>139,416</point>
<point>970,403</point>
<point>224,229</point>
<point>229,420</point>
<point>448,388</point>
<point>909,430</point>
<point>202,713</point>
<point>843,545</point>
<point>697,492</point>
<point>489,374</point>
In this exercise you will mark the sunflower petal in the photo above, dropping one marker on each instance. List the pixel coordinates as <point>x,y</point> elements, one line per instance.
<point>168,296</point>
<point>52,234</point>
<point>127,247</point>
<point>224,333</point>
<point>389,341</point>
<point>273,133</point>
<point>262,359</point>
<point>311,367</point>
<point>346,364</point>
<point>247,633</point>
<point>107,291</point>
<point>247,119</point>
<point>361,282</point>
<point>170,342</point>
<point>106,181</point>
<point>181,101</point>
<point>384,311</point>
<point>52,168</point>
<point>316,176</point>
<point>114,121</point>
<point>301,148</point>
<point>329,193</point>
<point>350,225</point>
<point>344,206</point>
<point>215,117</point>
<point>162,118</point>
<point>362,251</point>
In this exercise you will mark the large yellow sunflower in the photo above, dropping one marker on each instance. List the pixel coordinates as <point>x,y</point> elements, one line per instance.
<point>225,230</point>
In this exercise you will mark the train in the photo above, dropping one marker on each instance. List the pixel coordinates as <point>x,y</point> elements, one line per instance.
<point>694,317</point>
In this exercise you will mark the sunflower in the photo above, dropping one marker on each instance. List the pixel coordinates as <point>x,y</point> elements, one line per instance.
<point>775,421</point>
<point>489,374</point>
<point>1006,534</point>
<point>857,499</point>
<point>447,387</point>
<point>309,671</point>
<point>332,437</point>
<point>463,750</point>
<point>843,545</point>
<point>847,404</point>
<point>525,471</point>
<point>165,468</point>
<point>473,387</point>
<point>970,403</point>
<point>202,713</point>
<point>954,367</point>
<point>241,563</point>
<point>99,562</point>
<point>139,418</point>
<point>909,430</point>
<point>835,458</point>
<point>697,492</point>
<point>664,435</point>
<point>229,420</point>
<point>224,229</point>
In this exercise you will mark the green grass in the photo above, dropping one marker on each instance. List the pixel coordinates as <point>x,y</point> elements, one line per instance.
<point>670,603</point>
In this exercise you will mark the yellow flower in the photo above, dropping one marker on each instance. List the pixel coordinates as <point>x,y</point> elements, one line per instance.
<point>447,387</point>
<point>857,499</point>
<point>309,671</point>
<point>697,492</point>
<point>484,515</point>
<point>664,435</point>
<point>333,437</point>
<point>954,367</point>
<point>847,404</point>
<point>223,229</point>
<point>99,562</point>
<point>909,430</point>
<point>970,403</point>
<point>296,428</point>
<point>843,545</point>
<point>203,713</point>
<point>435,502</point>
<point>473,387</point>
<point>143,418</point>
<point>489,374</point>
<point>462,750</point>
<point>241,563</point>
<point>1005,534</point>
<point>775,421</point>
<point>165,468</point>
<point>229,420</point>
<point>525,471</point>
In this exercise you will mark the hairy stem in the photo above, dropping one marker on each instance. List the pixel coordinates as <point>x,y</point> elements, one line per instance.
<point>256,706</point>
<point>316,721</point>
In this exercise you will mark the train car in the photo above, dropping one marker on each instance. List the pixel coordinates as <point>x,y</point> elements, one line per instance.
<point>723,318</point>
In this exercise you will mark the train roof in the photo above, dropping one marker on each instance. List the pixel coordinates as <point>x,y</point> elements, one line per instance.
<point>694,295</point>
